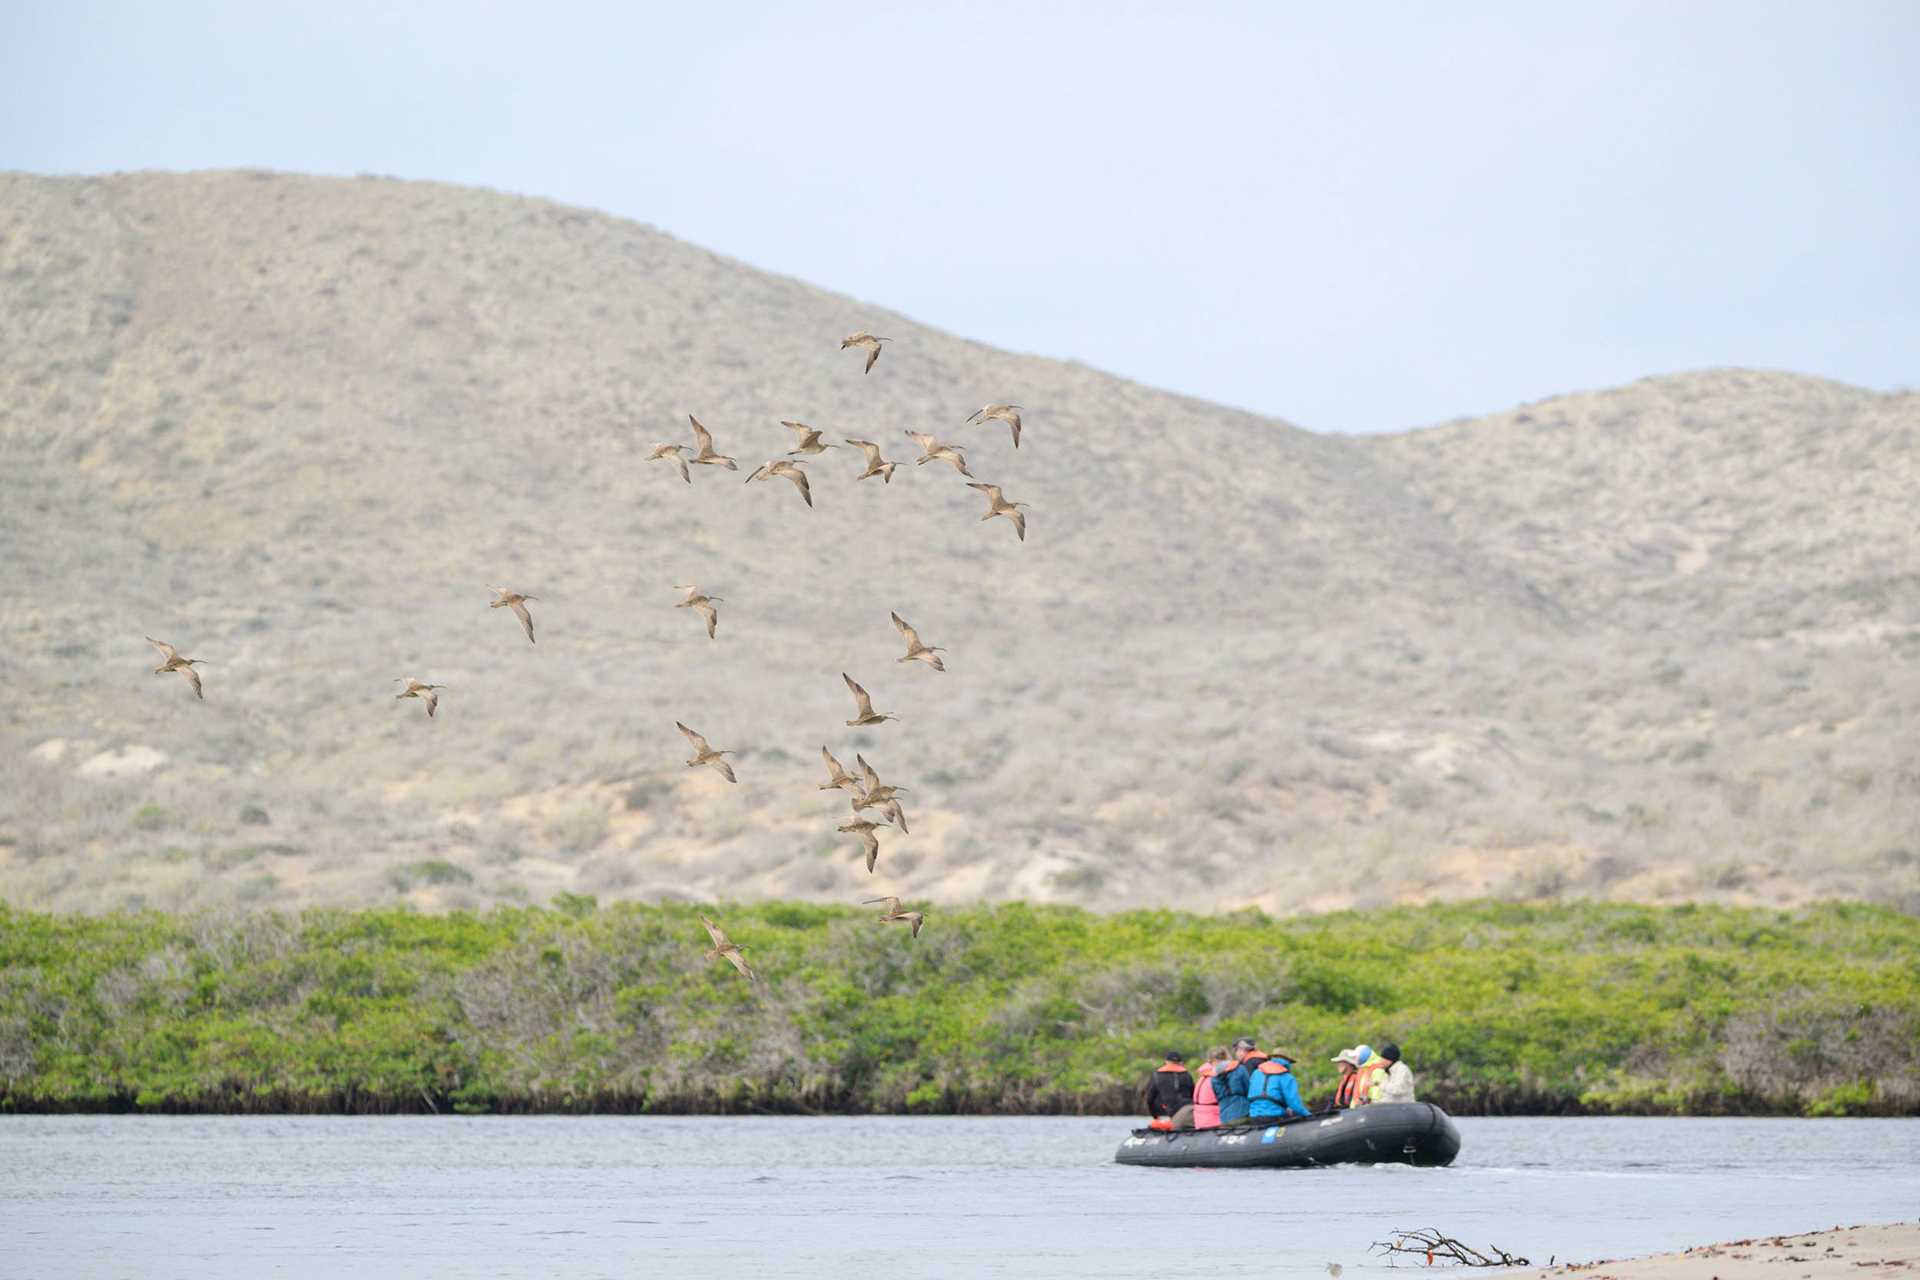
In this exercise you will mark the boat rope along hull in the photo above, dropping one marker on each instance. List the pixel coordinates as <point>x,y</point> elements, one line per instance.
<point>1384,1133</point>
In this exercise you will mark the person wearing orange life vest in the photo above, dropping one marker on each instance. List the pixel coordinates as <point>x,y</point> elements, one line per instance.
<point>1204,1111</point>
<point>1169,1088</point>
<point>1272,1090</point>
<point>1365,1075</point>
<point>1348,1063</point>
<point>1230,1080</point>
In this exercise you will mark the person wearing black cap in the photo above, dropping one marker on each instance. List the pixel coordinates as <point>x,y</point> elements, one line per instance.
<point>1395,1082</point>
<point>1169,1088</point>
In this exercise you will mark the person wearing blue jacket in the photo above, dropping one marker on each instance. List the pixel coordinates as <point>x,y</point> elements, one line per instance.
<point>1272,1091</point>
<point>1230,1087</point>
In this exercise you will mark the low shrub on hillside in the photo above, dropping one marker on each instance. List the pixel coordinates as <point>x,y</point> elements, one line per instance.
<point>1500,1008</point>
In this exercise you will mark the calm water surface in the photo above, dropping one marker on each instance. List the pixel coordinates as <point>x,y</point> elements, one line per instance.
<point>216,1197</point>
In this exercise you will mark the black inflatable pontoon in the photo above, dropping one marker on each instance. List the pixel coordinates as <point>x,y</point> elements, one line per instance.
<point>1384,1133</point>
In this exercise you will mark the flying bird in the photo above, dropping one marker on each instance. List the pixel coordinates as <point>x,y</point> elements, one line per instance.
<point>806,439</point>
<point>1007,413</point>
<point>891,913</point>
<point>869,841</point>
<point>999,506</point>
<point>891,810</point>
<point>724,946</point>
<point>867,342</point>
<point>873,794</point>
<point>876,465</point>
<point>700,604</point>
<point>837,776</point>
<point>864,714</point>
<point>424,692</point>
<point>931,450</point>
<point>929,654</point>
<point>675,452</point>
<point>791,470</point>
<point>174,662</point>
<point>706,457</point>
<point>704,754</point>
<point>518,603</point>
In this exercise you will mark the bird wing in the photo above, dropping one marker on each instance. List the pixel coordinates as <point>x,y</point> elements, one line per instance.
<point>711,614</point>
<point>892,904</point>
<point>1019,523</point>
<point>893,810</point>
<point>800,479</point>
<point>859,695</point>
<point>724,769</point>
<point>699,743</point>
<point>740,962</point>
<point>873,779</point>
<point>193,678</point>
<point>900,625</point>
<point>987,489</point>
<point>873,849</point>
<point>761,470</point>
<point>714,931</point>
<point>701,436</point>
<point>166,650</point>
<point>432,700</point>
<point>526,619</point>
<point>869,448</point>
<point>873,353</point>
<point>682,463</point>
<point>925,441</point>
<point>916,919</point>
<point>800,429</point>
<point>835,770</point>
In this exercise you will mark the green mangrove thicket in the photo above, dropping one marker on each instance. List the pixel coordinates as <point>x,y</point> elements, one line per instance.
<point>1007,1009</point>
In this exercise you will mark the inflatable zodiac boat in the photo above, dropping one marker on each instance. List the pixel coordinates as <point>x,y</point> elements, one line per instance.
<point>1384,1133</point>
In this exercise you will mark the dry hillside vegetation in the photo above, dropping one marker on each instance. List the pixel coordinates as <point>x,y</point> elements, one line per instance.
<point>1652,643</point>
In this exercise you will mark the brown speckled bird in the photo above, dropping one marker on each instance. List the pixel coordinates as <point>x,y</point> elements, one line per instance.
<point>868,343</point>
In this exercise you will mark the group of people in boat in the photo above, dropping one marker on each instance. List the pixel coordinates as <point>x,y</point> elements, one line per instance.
<point>1243,1085</point>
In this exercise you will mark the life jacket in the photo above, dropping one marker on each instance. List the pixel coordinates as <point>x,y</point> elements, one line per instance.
<point>1206,1104</point>
<point>1172,1099</point>
<point>1366,1081</point>
<point>1263,1083</point>
<point>1233,1104</point>
<point>1344,1093</point>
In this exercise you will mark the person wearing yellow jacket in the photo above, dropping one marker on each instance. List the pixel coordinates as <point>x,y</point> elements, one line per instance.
<point>1366,1076</point>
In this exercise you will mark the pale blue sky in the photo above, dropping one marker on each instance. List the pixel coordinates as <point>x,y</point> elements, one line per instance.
<point>1351,217</point>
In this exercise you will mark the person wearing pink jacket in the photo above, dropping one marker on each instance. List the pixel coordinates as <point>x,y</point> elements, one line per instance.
<point>1204,1111</point>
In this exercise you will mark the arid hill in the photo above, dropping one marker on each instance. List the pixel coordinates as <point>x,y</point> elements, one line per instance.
<point>1655,642</point>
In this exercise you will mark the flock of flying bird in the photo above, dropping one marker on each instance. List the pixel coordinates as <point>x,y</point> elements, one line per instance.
<point>865,791</point>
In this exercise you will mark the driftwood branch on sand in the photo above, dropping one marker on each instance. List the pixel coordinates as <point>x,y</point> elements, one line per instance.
<point>1431,1246</point>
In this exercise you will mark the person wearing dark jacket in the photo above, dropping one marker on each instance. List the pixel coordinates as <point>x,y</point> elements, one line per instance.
<point>1169,1088</point>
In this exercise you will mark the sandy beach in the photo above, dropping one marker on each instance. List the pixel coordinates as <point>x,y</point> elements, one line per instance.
<point>1813,1255</point>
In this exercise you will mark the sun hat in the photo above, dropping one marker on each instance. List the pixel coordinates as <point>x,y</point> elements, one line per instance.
<point>1349,1056</point>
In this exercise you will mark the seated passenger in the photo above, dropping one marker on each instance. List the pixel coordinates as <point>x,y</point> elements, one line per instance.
<point>1367,1066</point>
<point>1348,1063</point>
<point>1230,1083</point>
<point>1272,1090</point>
<point>1169,1088</point>
<point>1204,1111</point>
<point>1394,1081</point>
